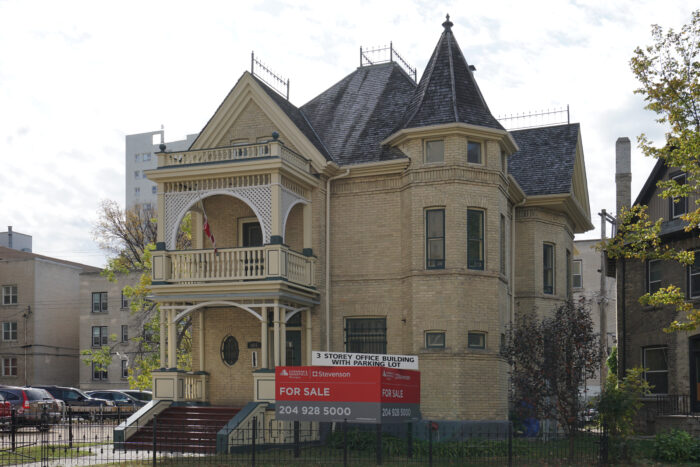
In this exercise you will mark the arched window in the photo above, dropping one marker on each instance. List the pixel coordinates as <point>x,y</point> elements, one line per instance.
<point>229,350</point>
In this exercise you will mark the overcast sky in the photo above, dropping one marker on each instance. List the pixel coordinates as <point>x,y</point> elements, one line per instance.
<point>76,77</point>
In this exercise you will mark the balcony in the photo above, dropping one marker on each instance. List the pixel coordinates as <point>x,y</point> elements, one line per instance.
<point>239,152</point>
<point>233,264</point>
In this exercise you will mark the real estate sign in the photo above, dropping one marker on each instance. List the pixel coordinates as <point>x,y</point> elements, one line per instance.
<point>371,394</point>
<point>406,362</point>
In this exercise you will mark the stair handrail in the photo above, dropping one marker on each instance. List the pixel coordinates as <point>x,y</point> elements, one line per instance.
<point>138,419</point>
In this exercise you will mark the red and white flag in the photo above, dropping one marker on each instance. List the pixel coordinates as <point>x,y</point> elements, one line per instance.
<point>207,231</point>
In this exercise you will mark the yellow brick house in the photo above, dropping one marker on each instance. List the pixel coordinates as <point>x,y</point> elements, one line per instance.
<point>383,216</point>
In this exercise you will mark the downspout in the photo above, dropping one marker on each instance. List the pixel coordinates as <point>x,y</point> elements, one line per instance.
<point>328,256</point>
<point>622,369</point>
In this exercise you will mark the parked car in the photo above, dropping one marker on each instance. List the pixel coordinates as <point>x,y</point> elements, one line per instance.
<point>32,406</point>
<point>120,398</point>
<point>5,410</point>
<point>80,403</point>
<point>145,396</point>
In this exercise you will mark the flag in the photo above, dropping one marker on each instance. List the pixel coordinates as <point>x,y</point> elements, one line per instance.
<point>207,230</point>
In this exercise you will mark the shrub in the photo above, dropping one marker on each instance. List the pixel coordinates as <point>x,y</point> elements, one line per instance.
<point>676,446</point>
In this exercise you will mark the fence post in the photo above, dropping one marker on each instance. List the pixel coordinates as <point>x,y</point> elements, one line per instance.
<point>510,444</point>
<point>13,429</point>
<point>255,435</point>
<point>345,443</point>
<point>297,447</point>
<point>155,431</point>
<point>70,427</point>
<point>379,444</point>
<point>604,445</point>
<point>409,440</point>
<point>430,444</point>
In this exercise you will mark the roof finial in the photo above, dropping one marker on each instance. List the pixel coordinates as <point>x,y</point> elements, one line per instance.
<point>447,24</point>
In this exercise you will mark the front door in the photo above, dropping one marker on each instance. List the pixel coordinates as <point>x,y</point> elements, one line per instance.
<point>293,348</point>
<point>694,366</point>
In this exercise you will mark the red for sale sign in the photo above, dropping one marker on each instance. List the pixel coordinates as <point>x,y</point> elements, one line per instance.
<point>359,394</point>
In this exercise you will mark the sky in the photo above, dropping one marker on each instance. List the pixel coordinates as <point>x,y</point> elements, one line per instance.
<point>76,77</point>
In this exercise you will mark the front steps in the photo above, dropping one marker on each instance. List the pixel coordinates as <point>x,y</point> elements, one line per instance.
<point>183,429</point>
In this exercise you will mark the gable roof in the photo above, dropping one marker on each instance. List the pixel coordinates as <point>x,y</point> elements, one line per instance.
<point>353,116</point>
<point>544,165</point>
<point>9,254</point>
<point>447,92</point>
<point>649,187</point>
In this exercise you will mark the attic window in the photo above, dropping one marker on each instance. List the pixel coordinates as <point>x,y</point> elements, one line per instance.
<point>434,151</point>
<point>474,152</point>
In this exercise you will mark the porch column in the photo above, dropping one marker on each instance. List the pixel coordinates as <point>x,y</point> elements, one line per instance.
<point>160,213</point>
<point>283,336</point>
<point>196,228</point>
<point>263,339</point>
<point>172,340</point>
<point>163,341</point>
<point>276,233</point>
<point>201,340</point>
<point>276,343</point>
<point>307,249</point>
<point>307,328</point>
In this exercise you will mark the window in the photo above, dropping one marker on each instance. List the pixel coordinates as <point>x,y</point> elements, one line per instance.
<point>365,335</point>
<point>99,302</point>
<point>548,268</point>
<point>99,336</point>
<point>474,153</point>
<point>154,189</point>
<point>147,207</point>
<point>125,369</point>
<point>136,174</point>
<point>476,340</point>
<point>653,275</point>
<point>137,191</point>
<point>475,239</point>
<point>679,205</point>
<point>98,374</point>
<point>577,274</point>
<point>125,332</point>
<point>694,277</point>
<point>502,245</point>
<point>229,350</point>
<point>435,238</point>
<point>435,340</point>
<point>504,161</point>
<point>655,362</point>
<point>9,331</point>
<point>9,295</point>
<point>568,273</point>
<point>434,151</point>
<point>124,301</point>
<point>136,157</point>
<point>9,366</point>
<point>146,156</point>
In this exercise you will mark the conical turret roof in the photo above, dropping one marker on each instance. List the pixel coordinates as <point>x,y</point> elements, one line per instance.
<point>447,92</point>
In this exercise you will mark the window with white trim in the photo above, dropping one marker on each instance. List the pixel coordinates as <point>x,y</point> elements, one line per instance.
<point>435,339</point>
<point>99,302</point>
<point>99,336</point>
<point>435,238</point>
<point>474,152</point>
<point>98,374</point>
<point>655,363</point>
<point>124,301</point>
<point>653,275</point>
<point>475,239</point>
<point>577,273</point>
<point>9,331</point>
<point>125,333</point>
<point>434,151</point>
<point>694,277</point>
<point>679,205</point>
<point>476,340</point>
<point>548,268</point>
<point>9,295</point>
<point>9,366</point>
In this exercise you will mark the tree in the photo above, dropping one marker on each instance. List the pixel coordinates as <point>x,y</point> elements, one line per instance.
<point>129,237</point>
<point>668,72</point>
<point>550,360</point>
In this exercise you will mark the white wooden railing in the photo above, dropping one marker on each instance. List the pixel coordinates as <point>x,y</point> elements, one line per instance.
<point>234,153</point>
<point>233,264</point>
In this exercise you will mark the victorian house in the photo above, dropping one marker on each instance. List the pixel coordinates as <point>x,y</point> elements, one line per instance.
<point>383,216</point>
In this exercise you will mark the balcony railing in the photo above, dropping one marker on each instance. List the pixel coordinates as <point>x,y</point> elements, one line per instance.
<point>233,264</point>
<point>239,152</point>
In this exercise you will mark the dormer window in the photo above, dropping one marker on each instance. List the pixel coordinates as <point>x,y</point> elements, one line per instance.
<point>474,152</point>
<point>434,151</point>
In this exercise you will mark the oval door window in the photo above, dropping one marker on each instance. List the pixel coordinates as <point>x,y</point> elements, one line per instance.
<point>229,350</point>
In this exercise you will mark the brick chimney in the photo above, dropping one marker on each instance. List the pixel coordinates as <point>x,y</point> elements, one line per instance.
<point>623,174</point>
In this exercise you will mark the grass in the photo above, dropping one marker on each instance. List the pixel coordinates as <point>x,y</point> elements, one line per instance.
<point>35,453</point>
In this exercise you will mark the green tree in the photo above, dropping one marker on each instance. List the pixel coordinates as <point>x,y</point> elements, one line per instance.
<point>668,71</point>
<point>129,237</point>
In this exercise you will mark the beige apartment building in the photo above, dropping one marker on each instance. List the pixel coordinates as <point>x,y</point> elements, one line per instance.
<point>384,216</point>
<point>39,315</point>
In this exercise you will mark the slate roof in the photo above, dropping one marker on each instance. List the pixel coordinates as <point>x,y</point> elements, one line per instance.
<point>544,164</point>
<point>447,92</point>
<point>353,116</point>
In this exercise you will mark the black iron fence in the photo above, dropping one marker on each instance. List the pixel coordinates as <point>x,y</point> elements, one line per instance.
<point>85,441</point>
<point>669,404</point>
